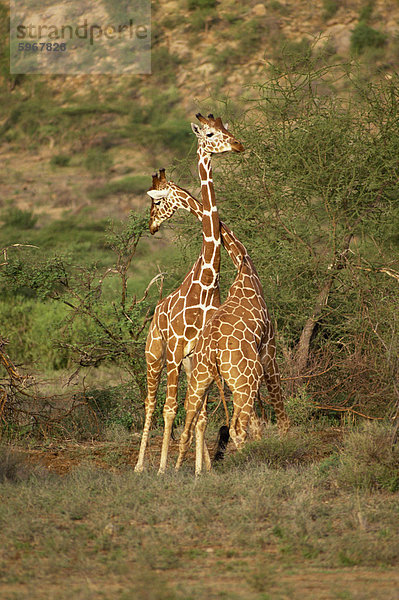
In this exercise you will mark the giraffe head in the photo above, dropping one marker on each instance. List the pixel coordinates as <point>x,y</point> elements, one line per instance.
<point>166,197</point>
<point>213,137</point>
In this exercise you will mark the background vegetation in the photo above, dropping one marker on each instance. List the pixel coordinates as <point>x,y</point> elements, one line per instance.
<point>315,200</point>
<point>312,91</point>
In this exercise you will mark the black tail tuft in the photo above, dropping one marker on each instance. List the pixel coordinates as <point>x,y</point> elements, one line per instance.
<point>172,433</point>
<point>223,440</point>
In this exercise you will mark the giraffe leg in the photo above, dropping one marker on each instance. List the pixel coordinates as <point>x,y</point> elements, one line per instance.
<point>187,367</point>
<point>273,383</point>
<point>195,409</point>
<point>243,378</point>
<point>186,436</point>
<point>207,458</point>
<point>201,451</point>
<point>169,412</point>
<point>242,415</point>
<point>155,362</point>
<point>255,428</point>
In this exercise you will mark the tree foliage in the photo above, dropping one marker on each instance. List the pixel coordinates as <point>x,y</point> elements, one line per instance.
<point>315,199</point>
<point>104,321</point>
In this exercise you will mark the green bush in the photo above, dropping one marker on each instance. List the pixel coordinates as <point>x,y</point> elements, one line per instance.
<point>366,11</point>
<point>279,452</point>
<point>368,461</point>
<point>284,9</point>
<point>176,135</point>
<point>300,407</point>
<point>164,65</point>
<point>293,55</point>
<point>18,218</point>
<point>249,35</point>
<point>60,160</point>
<point>97,161</point>
<point>227,56</point>
<point>330,8</point>
<point>364,37</point>
<point>135,184</point>
<point>202,4</point>
<point>116,406</point>
<point>13,466</point>
<point>35,327</point>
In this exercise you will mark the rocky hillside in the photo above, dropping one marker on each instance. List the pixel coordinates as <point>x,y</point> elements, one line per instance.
<point>220,46</point>
<point>92,140</point>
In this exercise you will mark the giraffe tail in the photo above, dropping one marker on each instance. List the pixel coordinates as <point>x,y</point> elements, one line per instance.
<point>222,441</point>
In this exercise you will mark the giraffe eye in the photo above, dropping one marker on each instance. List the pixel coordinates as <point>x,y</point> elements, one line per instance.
<point>157,202</point>
<point>210,134</point>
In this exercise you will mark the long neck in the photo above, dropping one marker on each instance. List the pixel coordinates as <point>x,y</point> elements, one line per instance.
<point>210,220</point>
<point>235,249</point>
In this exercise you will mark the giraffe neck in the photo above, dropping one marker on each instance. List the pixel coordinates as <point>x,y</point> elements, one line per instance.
<point>210,219</point>
<point>235,249</point>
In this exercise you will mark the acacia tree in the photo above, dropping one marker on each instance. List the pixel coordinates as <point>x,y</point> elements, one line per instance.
<point>314,198</point>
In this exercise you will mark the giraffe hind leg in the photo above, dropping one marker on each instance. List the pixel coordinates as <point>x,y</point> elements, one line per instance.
<point>273,383</point>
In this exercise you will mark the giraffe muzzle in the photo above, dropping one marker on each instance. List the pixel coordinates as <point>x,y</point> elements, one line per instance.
<point>153,227</point>
<point>237,147</point>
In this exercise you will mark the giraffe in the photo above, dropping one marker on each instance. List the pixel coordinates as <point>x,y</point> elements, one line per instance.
<point>166,201</point>
<point>179,318</point>
<point>237,344</point>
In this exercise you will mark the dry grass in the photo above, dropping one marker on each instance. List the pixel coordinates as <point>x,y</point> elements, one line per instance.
<point>234,533</point>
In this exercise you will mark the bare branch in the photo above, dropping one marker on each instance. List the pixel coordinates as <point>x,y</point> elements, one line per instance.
<point>146,292</point>
<point>5,254</point>
<point>348,410</point>
<point>386,270</point>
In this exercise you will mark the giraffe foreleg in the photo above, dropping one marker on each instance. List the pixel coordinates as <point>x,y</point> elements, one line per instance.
<point>195,403</point>
<point>169,412</point>
<point>155,362</point>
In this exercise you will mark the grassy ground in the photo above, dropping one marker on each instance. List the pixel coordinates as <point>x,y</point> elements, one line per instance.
<point>311,516</point>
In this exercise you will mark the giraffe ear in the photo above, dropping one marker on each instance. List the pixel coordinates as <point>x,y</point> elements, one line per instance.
<point>226,125</point>
<point>157,194</point>
<point>196,129</point>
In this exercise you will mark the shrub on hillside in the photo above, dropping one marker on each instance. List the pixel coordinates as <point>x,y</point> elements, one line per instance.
<point>19,218</point>
<point>364,36</point>
<point>203,4</point>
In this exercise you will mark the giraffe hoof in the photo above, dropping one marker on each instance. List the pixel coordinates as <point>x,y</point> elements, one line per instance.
<point>138,468</point>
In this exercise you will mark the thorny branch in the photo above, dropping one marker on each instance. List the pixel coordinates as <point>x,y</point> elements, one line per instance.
<point>18,396</point>
<point>5,251</point>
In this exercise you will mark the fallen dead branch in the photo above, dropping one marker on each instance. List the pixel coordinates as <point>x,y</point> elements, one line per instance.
<point>22,406</point>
